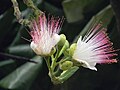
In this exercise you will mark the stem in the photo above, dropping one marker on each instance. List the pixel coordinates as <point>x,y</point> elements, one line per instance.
<point>47,59</point>
<point>58,54</point>
<point>67,58</point>
<point>18,14</point>
<point>14,57</point>
<point>31,5</point>
<point>53,65</point>
<point>54,79</point>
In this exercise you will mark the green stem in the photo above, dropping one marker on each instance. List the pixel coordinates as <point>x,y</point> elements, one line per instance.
<point>58,54</point>
<point>54,79</point>
<point>53,65</point>
<point>47,59</point>
<point>67,58</point>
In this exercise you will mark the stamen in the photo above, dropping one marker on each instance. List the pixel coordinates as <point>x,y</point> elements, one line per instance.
<point>27,39</point>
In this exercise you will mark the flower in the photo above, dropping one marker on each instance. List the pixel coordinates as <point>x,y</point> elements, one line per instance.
<point>44,34</point>
<point>94,47</point>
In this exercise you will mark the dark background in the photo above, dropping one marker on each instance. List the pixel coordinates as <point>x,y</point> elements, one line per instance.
<point>106,78</point>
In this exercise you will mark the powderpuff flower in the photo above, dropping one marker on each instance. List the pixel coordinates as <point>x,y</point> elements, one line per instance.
<point>94,47</point>
<point>44,34</point>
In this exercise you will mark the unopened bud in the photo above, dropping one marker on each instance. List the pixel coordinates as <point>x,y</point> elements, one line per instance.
<point>72,49</point>
<point>67,44</point>
<point>62,40</point>
<point>65,65</point>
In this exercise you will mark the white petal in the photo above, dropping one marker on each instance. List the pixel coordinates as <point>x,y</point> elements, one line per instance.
<point>35,48</point>
<point>56,38</point>
<point>33,45</point>
<point>88,65</point>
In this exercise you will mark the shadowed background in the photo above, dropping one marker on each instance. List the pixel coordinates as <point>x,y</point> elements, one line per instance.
<point>21,75</point>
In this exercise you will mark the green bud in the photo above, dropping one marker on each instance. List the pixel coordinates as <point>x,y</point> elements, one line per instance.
<point>65,65</point>
<point>67,44</point>
<point>62,40</point>
<point>72,49</point>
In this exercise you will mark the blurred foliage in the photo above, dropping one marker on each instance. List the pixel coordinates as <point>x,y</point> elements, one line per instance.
<point>18,80</point>
<point>80,16</point>
<point>75,9</point>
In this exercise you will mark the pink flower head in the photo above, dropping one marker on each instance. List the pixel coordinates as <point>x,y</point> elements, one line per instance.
<point>44,34</point>
<point>94,47</point>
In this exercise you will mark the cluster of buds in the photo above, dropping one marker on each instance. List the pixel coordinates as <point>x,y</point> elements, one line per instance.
<point>95,47</point>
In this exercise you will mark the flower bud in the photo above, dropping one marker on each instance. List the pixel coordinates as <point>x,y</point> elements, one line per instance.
<point>65,65</point>
<point>62,40</point>
<point>67,44</point>
<point>72,49</point>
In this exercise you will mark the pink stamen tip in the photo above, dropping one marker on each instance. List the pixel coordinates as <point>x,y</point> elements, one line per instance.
<point>110,61</point>
<point>95,47</point>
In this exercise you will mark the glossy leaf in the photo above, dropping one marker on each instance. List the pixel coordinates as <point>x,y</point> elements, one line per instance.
<point>21,50</point>
<point>7,30</point>
<point>6,67</point>
<point>6,62</point>
<point>75,9</point>
<point>22,77</point>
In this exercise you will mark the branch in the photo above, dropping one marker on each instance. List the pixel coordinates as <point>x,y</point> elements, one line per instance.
<point>14,57</point>
<point>18,14</point>
<point>31,5</point>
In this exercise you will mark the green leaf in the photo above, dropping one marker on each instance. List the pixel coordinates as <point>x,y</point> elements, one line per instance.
<point>74,9</point>
<point>104,16</point>
<point>21,50</point>
<point>6,62</point>
<point>6,67</point>
<point>5,24</point>
<point>22,77</point>
<point>7,30</point>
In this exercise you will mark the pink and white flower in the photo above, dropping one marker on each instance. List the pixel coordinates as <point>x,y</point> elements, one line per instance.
<point>44,34</point>
<point>94,47</point>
